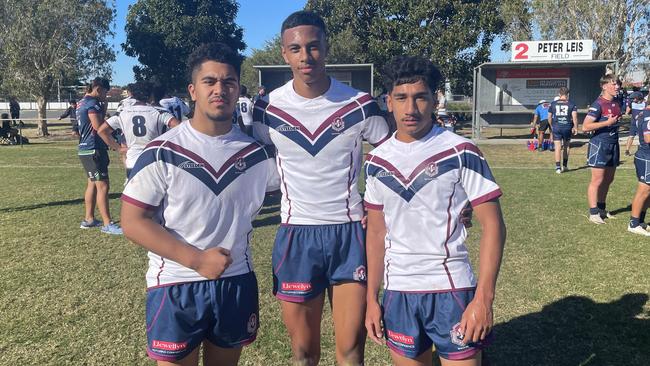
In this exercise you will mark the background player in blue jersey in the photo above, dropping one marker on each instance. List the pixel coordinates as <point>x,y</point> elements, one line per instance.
<point>93,153</point>
<point>563,118</point>
<point>642,166</point>
<point>415,243</point>
<point>193,194</point>
<point>603,153</point>
<point>635,106</point>
<point>540,122</point>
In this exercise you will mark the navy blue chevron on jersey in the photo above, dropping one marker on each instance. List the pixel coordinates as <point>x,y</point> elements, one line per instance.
<point>562,113</point>
<point>319,144</point>
<point>421,187</point>
<point>204,190</point>
<point>600,111</point>
<point>89,141</point>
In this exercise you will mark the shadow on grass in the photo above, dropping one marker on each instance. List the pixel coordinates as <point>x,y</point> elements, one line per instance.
<point>53,204</point>
<point>578,168</point>
<point>628,208</point>
<point>576,331</point>
<point>271,220</point>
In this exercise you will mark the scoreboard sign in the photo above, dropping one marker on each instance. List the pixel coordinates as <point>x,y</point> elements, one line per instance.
<point>536,51</point>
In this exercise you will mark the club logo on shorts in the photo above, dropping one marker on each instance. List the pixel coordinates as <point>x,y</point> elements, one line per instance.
<point>240,164</point>
<point>456,336</point>
<point>431,169</point>
<point>251,326</point>
<point>359,273</point>
<point>338,125</point>
<point>190,165</point>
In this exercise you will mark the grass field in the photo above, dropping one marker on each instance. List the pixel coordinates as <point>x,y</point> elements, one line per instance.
<point>569,293</point>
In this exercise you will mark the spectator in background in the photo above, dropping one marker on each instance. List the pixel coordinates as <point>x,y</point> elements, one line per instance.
<point>441,108</point>
<point>14,109</point>
<point>540,122</point>
<point>72,113</point>
<point>6,131</point>
<point>261,94</point>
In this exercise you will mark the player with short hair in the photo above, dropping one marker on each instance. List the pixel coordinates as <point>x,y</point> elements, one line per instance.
<point>637,105</point>
<point>191,199</point>
<point>563,119</point>
<point>93,153</point>
<point>603,153</point>
<point>140,123</point>
<point>317,124</point>
<point>244,111</point>
<point>540,122</point>
<point>128,101</point>
<point>642,166</point>
<point>417,184</point>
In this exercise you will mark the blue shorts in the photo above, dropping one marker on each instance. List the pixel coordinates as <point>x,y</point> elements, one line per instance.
<point>180,317</point>
<point>602,154</point>
<point>560,134</point>
<point>415,321</point>
<point>642,166</point>
<point>309,258</point>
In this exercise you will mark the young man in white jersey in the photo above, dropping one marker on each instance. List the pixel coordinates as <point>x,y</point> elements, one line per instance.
<point>244,111</point>
<point>192,196</point>
<point>417,184</point>
<point>140,123</point>
<point>317,124</point>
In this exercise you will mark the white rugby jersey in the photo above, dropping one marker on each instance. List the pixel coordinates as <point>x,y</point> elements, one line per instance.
<point>319,143</point>
<point>421,188</point>
<point>140,124</point>
<point>176,107</point>
<point>245,110</point>
<point>205,191</point>
<point>128,101</point>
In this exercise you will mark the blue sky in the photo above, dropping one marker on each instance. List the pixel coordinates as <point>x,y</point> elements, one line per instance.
<point>260,19</point>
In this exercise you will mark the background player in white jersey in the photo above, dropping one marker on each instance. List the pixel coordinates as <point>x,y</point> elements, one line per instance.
<point>191,200</point>
<point>129,100</point>
<point>140,123</point>
<point>317,124</point>
<point>244,111</point>
<point>563,119</point>
<point>175,106</point>
<point>635,107</point>
<point>417,185</point>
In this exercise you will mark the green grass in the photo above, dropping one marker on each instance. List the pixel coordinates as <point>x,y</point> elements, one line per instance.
<point>569,292</point>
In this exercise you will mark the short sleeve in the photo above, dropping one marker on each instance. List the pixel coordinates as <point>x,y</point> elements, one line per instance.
<point>164,118</point>
<point>185,109</point>
<point>147,186</point>
<point>573,107</point>
<point>642,120</point>
<point>114,122</point>
<point>273,182</point>
<point>372,198</point>
<point>594,111</point>
<point>476,178</point>
<point>375,127</point>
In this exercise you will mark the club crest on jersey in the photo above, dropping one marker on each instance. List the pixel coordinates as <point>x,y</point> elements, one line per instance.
<point>431,169</point>
<point>338,124</point>
<point>359,273</point>
<point>251,326</point>
<point>190,165</point>
<point>456,336</point>
<point>240,164</point>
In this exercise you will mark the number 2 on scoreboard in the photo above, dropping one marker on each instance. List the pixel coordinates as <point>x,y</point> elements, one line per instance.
<point>522,48</point>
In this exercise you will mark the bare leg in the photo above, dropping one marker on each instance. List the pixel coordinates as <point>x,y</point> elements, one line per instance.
<point>640,200</point>
<point>472,361</point>
<point>190,360</point>
<point>102,200</point>
<point>424,359</point>
<point>303,324</point>
<point>608,178</point>
<point>89,201</point>
<point>217,356</point>
<point>349,313</point>
<point>597,176</point>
